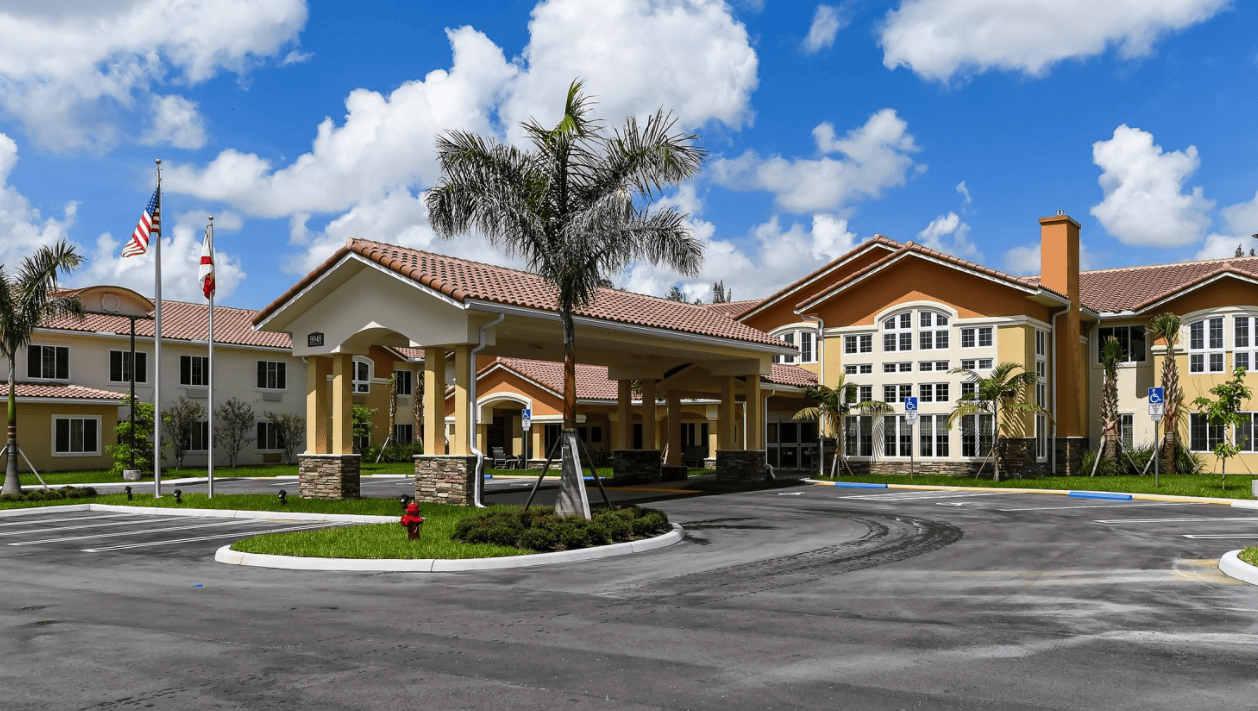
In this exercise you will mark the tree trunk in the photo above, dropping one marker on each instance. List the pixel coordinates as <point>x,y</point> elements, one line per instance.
<point>995,441</point>
<point>12,484</point>
<point>569,370</point>
<point>1170,413</point>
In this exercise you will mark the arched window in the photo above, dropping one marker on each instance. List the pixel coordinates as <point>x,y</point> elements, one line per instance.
<point>1205,345</point>
<point>362,375</point>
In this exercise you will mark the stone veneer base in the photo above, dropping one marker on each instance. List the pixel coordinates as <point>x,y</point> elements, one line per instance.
<point>328,476</point>
<point>741,465</point>
<point>443,479</point>
<point>636,464</point>
<point>1019,462</point>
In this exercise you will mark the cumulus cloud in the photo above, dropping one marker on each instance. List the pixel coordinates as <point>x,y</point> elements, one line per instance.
<point>75,74</point>
<point>940,39</point>
<point>22,225</point>
<point>872,158</point>
<point>950,234</point>
<point>1025,259</point>
<point>826,23</point>
<point>176,122</point>
<point>1145,200</point>
<point>1242,224</point>
<point>181,258</point>
<point>964,192</point>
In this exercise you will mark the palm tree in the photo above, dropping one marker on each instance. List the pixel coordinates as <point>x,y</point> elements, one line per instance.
<point>1002,390</point>
<point>832,408</point>
<point>1111,356</point>
<point>575,206</point>
<point>26,299</point>
<point>1166,327</point>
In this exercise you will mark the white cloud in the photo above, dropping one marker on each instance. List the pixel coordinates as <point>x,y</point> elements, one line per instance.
<point>176,122</point>
<point>1242,218</point>
<point>1145,204</point>
<point>24,229</point>
<point>950,234</point>
<point>76,74</point>
<point>875,156</point>
<point>181,258</point>
<point>1242,224</point>
<point>939,39</point>
<point>965,194</point>
<point>1219,246</point>
<point>689,56</point>
<point>826,23</point>
<point>1025,259</point>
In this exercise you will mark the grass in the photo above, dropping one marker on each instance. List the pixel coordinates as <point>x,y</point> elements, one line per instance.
<point>1250,555</point>
<point>233,502</point>
<point>102,476</point>
<point>1172,484</point>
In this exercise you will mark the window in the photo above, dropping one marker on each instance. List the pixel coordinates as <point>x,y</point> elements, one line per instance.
<point>120,367</point>
<point>865,393</point>
<point>896,393</point>
<point>1041,393</point>
<point>807,347</point>
<point>859,437</point>
<point>1202,436</point>
<point>862,343</point>
<point>404,379</point>
<point>976,435</point>
<point>272,375</point>
<point>48,362</point>
<point>1041,343</point>
<point>932,392</point>
<point>1126,425</point>
<point>1205,346</point>
<point>1131,338</point>
<point>76,435</point>
<point>985,337</point>
<point>362,375</point>
<point>933,435</point>
<point>932,331</point>
<point>898,333</point>
<point>807,340</point>
<point>1245,433</point>
<point>194,371</point>
<point>968,389</point>
<point>906,367</point>
<point>979,337</point>
<point>789,339</point>
<point>926,366</point>
<point>403,434</point>
<point>1245,341</point>
<point>897,436</point>
<point>199,437</point>
<point>858,369</point>
<point>269,437</point>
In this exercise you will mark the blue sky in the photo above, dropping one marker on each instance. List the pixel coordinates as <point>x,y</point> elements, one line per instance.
<point>956,123</point>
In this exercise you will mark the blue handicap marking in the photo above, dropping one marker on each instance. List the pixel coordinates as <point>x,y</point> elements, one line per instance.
<point>1155,396</point>
<point>910,404</point>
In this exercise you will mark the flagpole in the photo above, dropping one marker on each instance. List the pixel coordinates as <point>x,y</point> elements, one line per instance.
<point>209,235</point>
<point>157,348</point>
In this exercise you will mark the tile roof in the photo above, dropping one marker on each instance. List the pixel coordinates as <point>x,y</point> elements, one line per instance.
<point>412,353</point>
<point>592,382</point>
<point>462,279</point>
<point>791,375</point>
<point>181,321</point>
<point>1136,288</point>
<point>786,290</point>
<point>61,392</point>
<point>732,308</point>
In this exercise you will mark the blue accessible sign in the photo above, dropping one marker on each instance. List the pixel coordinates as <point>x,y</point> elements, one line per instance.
<point>1157,403</point>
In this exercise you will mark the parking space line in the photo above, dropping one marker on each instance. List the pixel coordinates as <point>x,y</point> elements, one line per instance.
<point>926,495</point>
<point>41,529</point>
<point>150,544</point>
<point>1093,506</point>
<point>79,517</point>
<point>1249,535</point>
<point>231,522</point>
<point>1200,519</point>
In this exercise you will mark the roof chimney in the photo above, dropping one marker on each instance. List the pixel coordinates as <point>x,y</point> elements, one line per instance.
<point>1059,255</point>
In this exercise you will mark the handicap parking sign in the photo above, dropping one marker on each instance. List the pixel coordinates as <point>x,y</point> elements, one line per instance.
<point>1156,396</point>
<point>910,404</point>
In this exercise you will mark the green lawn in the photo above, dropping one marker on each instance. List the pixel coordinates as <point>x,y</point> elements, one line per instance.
<point>1250,555</point>
<point>1238,486</point>
<point>235,502</point>
<point>98,476</point>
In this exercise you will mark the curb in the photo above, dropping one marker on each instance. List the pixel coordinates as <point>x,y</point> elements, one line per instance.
<point>205,513</point>
<point>1239,503</point>
<point>436,565</point>
<point>1231,564</point>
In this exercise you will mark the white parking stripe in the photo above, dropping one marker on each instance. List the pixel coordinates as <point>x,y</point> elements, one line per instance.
<point>133,520</point>
<point>1249,535</point>
<point>80,517</point>
<point>232,522</point>
<point>1250,519</point>
<point>914,495</point>
<point>126,546</point>
<point>1092,506</point>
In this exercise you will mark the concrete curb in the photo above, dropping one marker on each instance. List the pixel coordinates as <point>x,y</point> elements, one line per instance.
<point>1240,503</point>
<point>206,513</point>
<point>431,565</point>
<point>1231,564</point>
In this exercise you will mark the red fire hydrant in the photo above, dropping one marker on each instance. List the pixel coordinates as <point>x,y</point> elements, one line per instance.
<point>412,521</point>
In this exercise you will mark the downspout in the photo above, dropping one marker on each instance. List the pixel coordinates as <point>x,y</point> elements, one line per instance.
<point>1052,453</point>
<point>478,484</point>
<point>820,345</point>
<point>764,435</point>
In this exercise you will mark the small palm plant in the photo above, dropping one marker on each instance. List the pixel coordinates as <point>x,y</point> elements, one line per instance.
<point>1166,327</point>
<point>831,411</point>
<point>1003,390</point>
<point>26,299</point>
<point>1111,356</point>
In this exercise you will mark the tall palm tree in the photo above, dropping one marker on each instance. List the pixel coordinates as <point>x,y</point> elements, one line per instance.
<point>576,206</point>
<point>26,299</point>
<point>1111,356</point>
<point>833,406</point>
<point>1004,390</point>
<point>1166,327</point>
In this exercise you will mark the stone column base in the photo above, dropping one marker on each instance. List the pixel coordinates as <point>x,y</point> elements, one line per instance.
<point>641,464</point>
<point>741,464</point>
<point>329,476</point>
<point>443,479</point>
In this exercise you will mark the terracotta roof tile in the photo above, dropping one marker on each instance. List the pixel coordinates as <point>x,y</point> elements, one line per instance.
<point>182,321</point>
<point>732,308</point>
<point>462,279</point>
<point>63,392</point>
<point>592,382</point>
<point>1136,288</point>
<point>791,375</point>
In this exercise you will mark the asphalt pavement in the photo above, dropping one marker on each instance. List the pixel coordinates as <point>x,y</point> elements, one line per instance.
<point>805,597</point>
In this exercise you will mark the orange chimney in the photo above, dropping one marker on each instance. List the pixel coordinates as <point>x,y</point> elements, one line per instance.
<point>1059,255</point>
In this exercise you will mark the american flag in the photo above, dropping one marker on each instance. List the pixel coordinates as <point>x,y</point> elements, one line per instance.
<point>150,221</point>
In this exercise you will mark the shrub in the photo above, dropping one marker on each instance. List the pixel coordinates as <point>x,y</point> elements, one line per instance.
<point>67,492</point>
<point>541,530</point>
<point>1185,463</point>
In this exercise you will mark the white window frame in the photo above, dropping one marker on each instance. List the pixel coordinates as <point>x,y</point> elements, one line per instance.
<point>933,431</point>
<point>273,368</point>
<point>858,369</point>
<point>72,418</point>
<point>141,374</point>
<point>57,350</point>
<point>896,428</point>
<point>263,433</point>
<point>1128,352</point>
<point>362,386</point>
<point>204,427</point>
<point>410,381</point>
<point>1203,356</point>
<point>858,343</point>
<point>205,371</point>
<point>1247,352</point>
<point>897,332</point>
<point>930,331</point>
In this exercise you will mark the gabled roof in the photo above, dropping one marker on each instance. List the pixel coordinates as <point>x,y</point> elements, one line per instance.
<point>1133,289</point>
<point>908,249</point>
<point>464,280</point>
<point>731,308</point>
<point>42,391</point>
<point>181,321</point>
<point>791,375</point>
<point>784,294</point>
